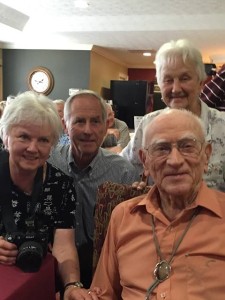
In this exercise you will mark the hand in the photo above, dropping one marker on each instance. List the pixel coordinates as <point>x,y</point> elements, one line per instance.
<point>73,293</point>
<point>8,252</point>
<point>116,149</point>
<point>140,185</point>
<point>114,131</point>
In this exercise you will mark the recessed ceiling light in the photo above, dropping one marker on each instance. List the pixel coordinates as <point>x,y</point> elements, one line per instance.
<point>81,3</point>
<point>147,53</point>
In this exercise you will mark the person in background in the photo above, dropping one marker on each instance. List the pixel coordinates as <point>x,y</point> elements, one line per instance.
<point>169,243</point>
<point>28,139</point>
<point>2,106</point>
<point>90,165</point>
<point>9,99</point>
<point>60,107</point>
<point>213,92</point>
<point>64,138</point>
<point>180,74</point>
<point>118,135</point>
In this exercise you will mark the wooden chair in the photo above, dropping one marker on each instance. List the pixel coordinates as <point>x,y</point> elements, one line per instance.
<point>109,194</point>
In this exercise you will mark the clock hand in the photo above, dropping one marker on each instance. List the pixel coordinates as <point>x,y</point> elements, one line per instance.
<point>39,81</point>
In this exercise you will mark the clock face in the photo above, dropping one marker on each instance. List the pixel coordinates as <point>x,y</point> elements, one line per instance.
<point>41,80</point>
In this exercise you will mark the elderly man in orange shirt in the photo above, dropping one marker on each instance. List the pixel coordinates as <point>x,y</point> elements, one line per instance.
<point>168,244</point>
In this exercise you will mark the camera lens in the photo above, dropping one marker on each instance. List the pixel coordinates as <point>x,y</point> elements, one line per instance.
<point>29,256</point>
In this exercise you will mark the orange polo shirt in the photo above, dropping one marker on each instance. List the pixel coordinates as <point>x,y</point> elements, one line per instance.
<point>129,256</point>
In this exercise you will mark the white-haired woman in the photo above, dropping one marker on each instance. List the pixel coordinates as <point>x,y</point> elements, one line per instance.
<point>180,73</point>
<point>39,195</point>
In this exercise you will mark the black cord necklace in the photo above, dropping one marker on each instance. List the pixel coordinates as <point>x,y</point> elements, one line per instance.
<point>162,269</point>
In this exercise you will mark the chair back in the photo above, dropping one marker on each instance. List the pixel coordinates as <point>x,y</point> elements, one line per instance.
<point>109,194</point>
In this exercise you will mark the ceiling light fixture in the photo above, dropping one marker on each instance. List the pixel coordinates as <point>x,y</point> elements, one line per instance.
<point>81,3</point>
<point>12,17</point>
<point>147,53</point>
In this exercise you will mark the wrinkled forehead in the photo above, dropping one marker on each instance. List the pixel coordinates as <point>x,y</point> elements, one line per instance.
<point>86,109</point>
<point>88,104</point>
<point>176,66</point>
<point>172,128</point>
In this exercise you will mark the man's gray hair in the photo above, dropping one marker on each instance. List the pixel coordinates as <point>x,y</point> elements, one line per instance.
<point>83,93</point>
<point>183,111</point>
<point>59,101</point>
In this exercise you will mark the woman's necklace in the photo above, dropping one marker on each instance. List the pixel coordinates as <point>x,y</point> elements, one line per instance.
<point>162,269</point>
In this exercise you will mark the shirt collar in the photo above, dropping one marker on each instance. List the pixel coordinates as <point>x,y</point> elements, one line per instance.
<point>92,164</point>
<point>206,198</point>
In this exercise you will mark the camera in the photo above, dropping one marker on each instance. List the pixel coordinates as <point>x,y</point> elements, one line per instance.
<point>32,248</point>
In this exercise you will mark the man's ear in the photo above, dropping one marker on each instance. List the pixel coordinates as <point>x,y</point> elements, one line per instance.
<point>107,124</point>
<point>5,141</point>
<point>64,126</point>
<point>208,151</point>
<point>143,157</point>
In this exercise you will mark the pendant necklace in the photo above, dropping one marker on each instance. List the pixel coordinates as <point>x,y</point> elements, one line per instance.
<point>162,269</point>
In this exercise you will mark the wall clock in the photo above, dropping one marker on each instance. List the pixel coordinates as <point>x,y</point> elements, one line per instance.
<point>41,80</point>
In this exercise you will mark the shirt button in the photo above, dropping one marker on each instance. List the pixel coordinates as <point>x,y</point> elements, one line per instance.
<point>77,223</point>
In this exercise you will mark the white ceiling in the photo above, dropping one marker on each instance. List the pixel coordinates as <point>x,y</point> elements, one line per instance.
<point>117,25</point>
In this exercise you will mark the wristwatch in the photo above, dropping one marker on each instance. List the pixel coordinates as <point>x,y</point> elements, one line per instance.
<point>75,284</point>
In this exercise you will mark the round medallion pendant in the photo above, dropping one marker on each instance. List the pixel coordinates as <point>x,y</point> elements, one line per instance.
<point>162,270</point>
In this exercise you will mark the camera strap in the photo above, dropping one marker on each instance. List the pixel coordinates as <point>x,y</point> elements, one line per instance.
<point>6,198</point>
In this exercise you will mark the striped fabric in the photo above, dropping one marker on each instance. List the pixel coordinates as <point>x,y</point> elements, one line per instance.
<point>213,92</point>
